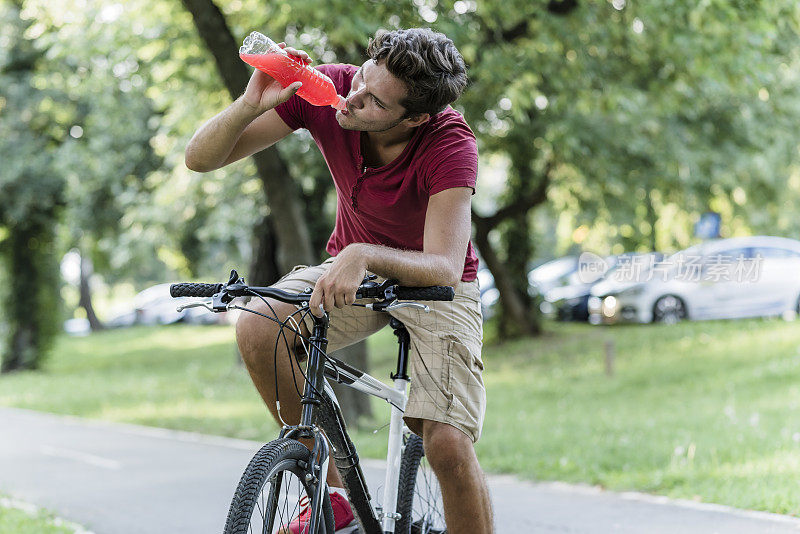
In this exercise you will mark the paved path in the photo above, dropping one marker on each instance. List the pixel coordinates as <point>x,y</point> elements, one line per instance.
<point>126,479</point>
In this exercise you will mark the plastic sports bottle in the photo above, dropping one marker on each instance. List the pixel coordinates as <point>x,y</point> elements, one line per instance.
<point>262,53</point>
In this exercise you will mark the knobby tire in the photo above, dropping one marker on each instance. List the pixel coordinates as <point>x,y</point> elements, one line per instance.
<point>425,514</point>
<point>283,458</point>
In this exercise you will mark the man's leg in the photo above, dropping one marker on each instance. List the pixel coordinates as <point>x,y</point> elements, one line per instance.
<point>467,504</point>
<point>256,338</point>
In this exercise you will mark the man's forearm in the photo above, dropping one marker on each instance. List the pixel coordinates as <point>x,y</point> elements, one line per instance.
<point>214,141</point>
<point>408,267</point>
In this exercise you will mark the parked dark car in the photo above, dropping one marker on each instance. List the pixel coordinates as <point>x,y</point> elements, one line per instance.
<point>570,302</point>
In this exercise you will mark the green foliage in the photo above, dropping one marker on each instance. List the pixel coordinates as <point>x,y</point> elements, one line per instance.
<point>33,190</point>
<point>108,123</point>
<point>639,116</point>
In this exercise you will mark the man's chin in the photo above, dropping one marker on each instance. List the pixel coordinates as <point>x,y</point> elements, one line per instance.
<point>344,121</point>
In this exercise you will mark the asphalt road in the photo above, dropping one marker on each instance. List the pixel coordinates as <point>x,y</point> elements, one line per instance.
<point>126,479</point>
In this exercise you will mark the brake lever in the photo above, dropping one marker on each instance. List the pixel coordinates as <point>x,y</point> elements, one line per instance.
<point>395,305</point>
<point>219,302</point>
<point>195,305</point>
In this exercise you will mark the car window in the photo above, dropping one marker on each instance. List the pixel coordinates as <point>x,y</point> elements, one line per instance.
<point>775,252</point>
<point>555,269</point>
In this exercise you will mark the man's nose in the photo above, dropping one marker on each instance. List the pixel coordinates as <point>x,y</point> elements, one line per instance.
<point>356,96</point>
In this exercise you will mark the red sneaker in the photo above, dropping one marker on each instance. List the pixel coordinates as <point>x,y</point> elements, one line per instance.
<point>343,518</point>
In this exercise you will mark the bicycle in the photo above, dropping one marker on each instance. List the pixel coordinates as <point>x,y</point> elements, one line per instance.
<point>285,473</point>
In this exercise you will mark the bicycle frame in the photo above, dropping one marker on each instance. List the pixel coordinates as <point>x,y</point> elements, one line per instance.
<point>321,367</point>
<point>319,404</point>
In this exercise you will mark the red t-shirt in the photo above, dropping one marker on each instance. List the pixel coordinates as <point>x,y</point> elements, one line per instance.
<point>386,205</point>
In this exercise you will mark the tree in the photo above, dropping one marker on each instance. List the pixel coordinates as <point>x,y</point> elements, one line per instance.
<point>108,154</point>
<point>615,111</point>
<point>34,197</point>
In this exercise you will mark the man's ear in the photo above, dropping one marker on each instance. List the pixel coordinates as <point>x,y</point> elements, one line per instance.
<point>417,120</point>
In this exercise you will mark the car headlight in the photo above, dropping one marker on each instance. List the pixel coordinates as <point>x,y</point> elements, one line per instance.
<point>609,307</point>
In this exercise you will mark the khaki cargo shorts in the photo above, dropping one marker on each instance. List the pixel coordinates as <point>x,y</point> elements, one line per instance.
<point>445,363</point>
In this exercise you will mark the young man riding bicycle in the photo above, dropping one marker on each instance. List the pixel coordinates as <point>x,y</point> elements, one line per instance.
<point>404,165</point>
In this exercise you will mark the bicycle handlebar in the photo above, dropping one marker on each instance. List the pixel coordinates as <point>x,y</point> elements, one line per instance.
<point>387,291</point>
<point>189,289</point>
<point>425,293</point>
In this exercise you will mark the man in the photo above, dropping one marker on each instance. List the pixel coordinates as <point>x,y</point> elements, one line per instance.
<point>404,165</point>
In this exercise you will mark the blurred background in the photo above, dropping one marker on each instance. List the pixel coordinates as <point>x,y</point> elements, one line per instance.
<point>639,163</point>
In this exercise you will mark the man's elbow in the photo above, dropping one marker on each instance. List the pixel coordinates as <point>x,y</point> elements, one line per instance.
<point>454,276</point>
<point>195,164</point>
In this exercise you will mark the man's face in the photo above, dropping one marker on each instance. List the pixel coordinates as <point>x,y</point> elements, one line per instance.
<point>373,104</point>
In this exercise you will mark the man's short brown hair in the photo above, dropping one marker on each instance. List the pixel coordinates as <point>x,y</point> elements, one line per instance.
<point>427,62</point>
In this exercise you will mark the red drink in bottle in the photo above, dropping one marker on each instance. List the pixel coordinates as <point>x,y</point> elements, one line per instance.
<point>262,53</point>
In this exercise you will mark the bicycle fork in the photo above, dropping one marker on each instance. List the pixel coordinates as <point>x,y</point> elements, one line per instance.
<point>320,458</point>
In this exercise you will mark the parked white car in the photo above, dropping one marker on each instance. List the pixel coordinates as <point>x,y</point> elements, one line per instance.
<point>552,274</point>
<point>718,279</point>
<point>154,305</point>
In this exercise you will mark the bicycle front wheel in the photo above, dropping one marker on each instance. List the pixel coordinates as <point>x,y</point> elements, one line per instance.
<point>419,498</point>
<point>273,490</point>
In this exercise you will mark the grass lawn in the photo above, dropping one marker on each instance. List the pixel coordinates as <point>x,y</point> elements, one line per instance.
<point>705,410</point>
<point>23,519</point>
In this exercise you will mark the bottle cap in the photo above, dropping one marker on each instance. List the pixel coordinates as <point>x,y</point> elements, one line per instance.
<point>258,43</point>
<point>341,105</point>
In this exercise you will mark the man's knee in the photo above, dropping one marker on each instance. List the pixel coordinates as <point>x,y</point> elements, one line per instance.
<point>448,449</point>
<point>256,335</point>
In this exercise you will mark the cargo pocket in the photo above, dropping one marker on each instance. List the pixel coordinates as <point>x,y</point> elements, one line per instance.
<point>463,367</point>
<point>465,389</point>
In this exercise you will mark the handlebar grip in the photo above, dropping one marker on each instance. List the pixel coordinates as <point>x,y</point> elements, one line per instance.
<point>426,293</point>
<point>190,289</point>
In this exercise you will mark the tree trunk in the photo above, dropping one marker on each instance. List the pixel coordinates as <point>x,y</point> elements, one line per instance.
<point>652,219</point>
<point>264,269</point>
<point>517,245</point>
<point>30,326</point>
<point>21,350</point>
<point>22,353</point>
<point>519,315</point>
<point>513,307</point>
<point>85,300</point>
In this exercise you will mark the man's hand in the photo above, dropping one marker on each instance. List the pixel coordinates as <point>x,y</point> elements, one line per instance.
<point>264,92</point>
<point>338,286</point>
